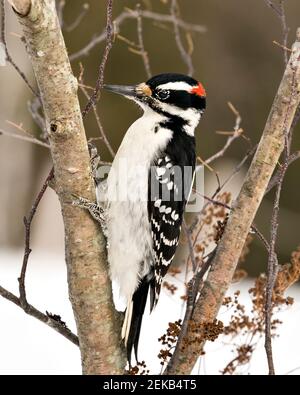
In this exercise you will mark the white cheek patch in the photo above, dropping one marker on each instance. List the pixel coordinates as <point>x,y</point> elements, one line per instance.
<point>190,115</point>
<point>176,86</point>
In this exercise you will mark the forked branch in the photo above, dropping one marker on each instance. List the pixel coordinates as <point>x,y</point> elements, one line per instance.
<point>242,215</point>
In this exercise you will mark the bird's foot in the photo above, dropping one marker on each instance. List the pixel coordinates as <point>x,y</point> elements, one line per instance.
<point>93,208</point>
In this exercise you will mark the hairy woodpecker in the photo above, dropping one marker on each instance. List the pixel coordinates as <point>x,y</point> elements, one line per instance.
<point>143,224</point>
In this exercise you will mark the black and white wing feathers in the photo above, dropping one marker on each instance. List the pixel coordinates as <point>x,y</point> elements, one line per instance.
<point>170,186</point>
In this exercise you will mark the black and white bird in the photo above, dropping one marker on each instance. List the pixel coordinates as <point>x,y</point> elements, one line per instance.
<point>147,189</point>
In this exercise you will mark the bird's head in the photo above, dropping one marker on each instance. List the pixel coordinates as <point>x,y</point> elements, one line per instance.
<point>173,95</point>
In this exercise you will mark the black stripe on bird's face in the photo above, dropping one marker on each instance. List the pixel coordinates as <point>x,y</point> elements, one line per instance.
<point>180,98</point>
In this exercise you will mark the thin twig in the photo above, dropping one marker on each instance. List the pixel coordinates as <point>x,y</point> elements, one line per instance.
<point>24,138</point>
<point>280,13</point>
<point>190,245</point>
<point>276,177</point>
<point>254,228</point>
<point>273,259</point>
<point>282,46</point>
<point>32,311</point>
<point>285,31</point>
<point>9,59</point>
<point>100,126</point>
<point>109,41</point>
<point>237,131</point>
<point>87,87</point>
<point>273,7</point>
<point>27,250</point>
<point>20,127</point>
<point>85,8</point>
<point>34,107</point>
<point>144,53</point>
<point>238,167</point>
<point>204,163</point>
<point>127,41</point>
<point>97,118</point>
<point>271,278</point>
<point>261,237</point>
<point>186,57</point>
<point>292,370</point>
<point>132,14</point>
<point>235,171</point>
<point>222,151</point>
<point>60,6</point>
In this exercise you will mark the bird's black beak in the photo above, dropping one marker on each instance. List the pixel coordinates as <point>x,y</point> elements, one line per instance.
<point>124,90</point>
<point>136,91</point>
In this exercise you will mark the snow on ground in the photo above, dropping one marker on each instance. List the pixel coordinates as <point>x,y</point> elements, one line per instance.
<point>30,347</point>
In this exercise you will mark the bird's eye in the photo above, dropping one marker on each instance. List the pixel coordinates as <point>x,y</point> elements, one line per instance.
<point>163,95</point>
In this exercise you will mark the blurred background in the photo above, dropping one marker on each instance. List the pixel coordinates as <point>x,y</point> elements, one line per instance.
<point>235,59</point>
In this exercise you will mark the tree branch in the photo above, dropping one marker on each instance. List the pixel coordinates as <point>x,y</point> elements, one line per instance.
<point>186,57</point>
<point>144,53</point>
<point>100,78</point>
<point>32,311</point>
<point>285,31</point>
<point>22,5</point>
<point>27,250</point>
<point>99,125</point>
<point>276,177</point>
<point>237,131</point>
<point>244,209</point>
<point>21,301</point>
<point>84,10</point>
<point>24,138</point>
<point>133,14</point>
<point>88,278</point>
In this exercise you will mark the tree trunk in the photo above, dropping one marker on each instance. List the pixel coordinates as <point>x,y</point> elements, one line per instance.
<point>88,279</point>
<point>242,215</point>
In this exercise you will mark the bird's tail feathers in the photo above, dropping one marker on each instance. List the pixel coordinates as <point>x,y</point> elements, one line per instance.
<point>133,318</point>
<point>127,321</point>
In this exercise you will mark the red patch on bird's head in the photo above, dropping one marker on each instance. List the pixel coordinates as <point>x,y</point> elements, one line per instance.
<point>199,90</point>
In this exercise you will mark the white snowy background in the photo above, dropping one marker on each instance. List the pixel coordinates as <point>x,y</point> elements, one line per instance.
<point>30,347</point>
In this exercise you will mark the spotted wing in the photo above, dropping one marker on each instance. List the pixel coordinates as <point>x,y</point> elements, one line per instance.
<point>169,186</point>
